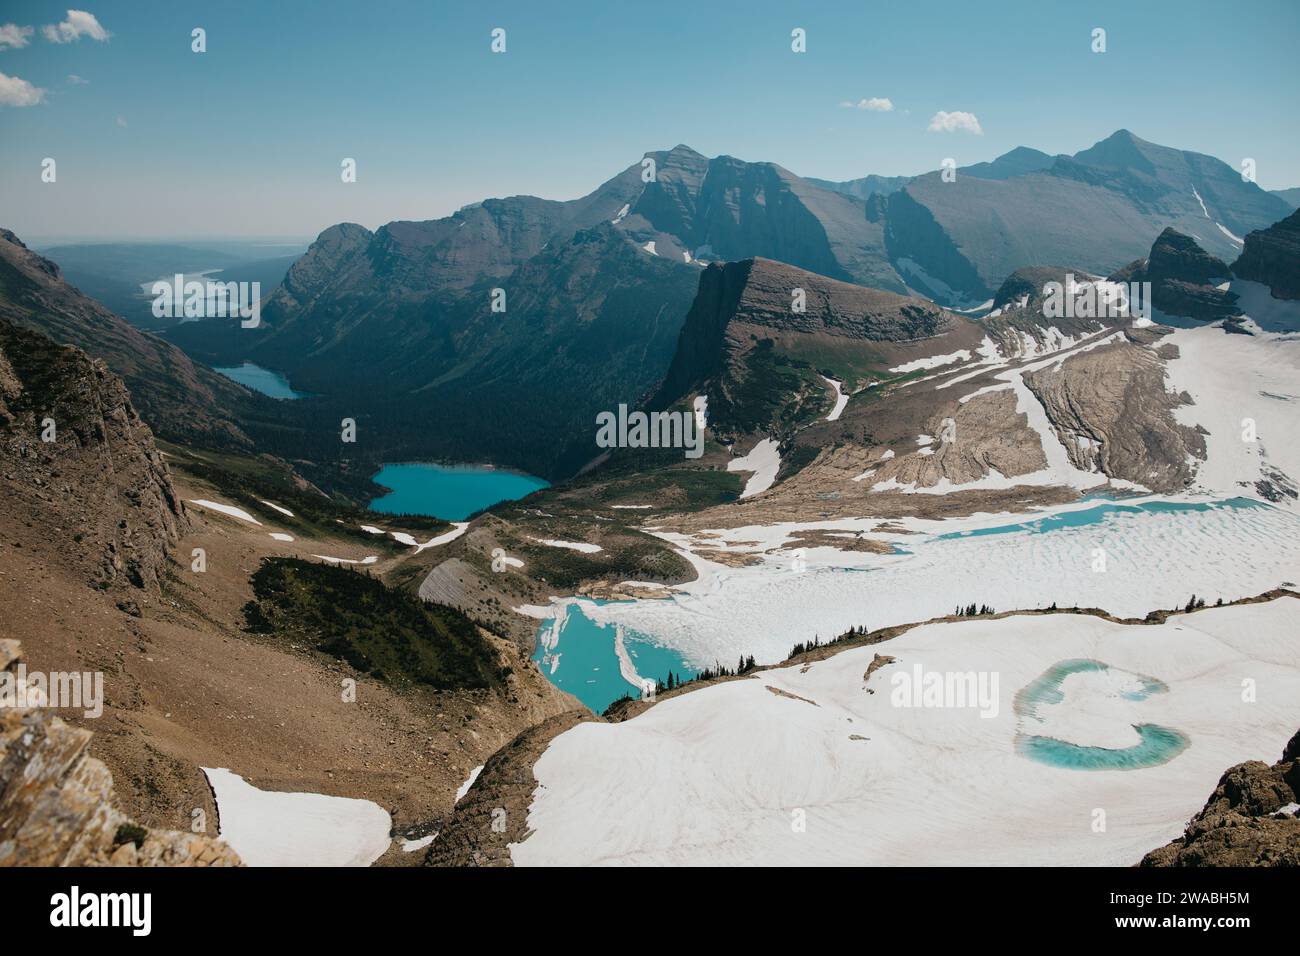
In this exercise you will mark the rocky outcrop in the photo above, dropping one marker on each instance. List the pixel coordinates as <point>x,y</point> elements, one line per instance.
<point>56,801</point>
<point>988,434</point>
<point>494,813</point>
<point>1184,279</point>
<point>79,462</point>
<point>1019,322</point>
<point>1272,256</point>
<point>1177,256</point>
<point>1112,412</point>
<point>1251,819</point>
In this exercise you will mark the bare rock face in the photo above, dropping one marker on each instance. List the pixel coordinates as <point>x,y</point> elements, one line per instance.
<point>1184,279</point>
<point>76,457</point>
<point>1250,819</point>
<point>1113,414</point>
<point>1272,256</point>
<point>1019,323</point>
<point>988,434</point>
<point>56,802</point>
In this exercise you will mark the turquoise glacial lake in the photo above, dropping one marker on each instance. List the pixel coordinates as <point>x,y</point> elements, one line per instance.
<point>450,492</point>
<point>1095,515</point>
<point>261,380</point>
<point>1156,744</point>
<point>582,659</point>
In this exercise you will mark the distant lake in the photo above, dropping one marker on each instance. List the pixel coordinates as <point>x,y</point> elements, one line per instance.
<point>450,492</point>
<point>261,380</point>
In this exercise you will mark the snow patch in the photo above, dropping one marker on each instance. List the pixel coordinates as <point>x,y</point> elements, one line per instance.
<point>840,399</point>
<point>269,828</point>
<point>582,546</point>
<point>230,510</point>
<point>764,460</point>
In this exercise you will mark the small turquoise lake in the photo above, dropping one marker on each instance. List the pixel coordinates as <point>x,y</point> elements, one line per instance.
<point>578,655</point>
<point>1156,744</point>
<point>450,492</point>
<point>261,380</point>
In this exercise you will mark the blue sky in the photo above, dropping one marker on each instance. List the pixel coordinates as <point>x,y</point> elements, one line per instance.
<point>246,139</point>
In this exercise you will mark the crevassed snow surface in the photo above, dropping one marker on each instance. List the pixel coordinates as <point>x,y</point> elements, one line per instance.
<point>722,774</point>
<point>267,828</point>
<point>764,460</point>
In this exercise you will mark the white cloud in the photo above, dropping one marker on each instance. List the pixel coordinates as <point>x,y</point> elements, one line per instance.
<point>121,122</point>
<point>877,104</point>
<point>944,122</point>
<point>79,24</point>
<point>18,92</point>
<point>14,37</point>
<point>74,80</point>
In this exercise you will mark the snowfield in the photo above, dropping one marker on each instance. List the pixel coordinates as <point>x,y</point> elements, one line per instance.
<point>1151,558</point>
<point>803,766</point>
<point>764,460</point>
<point>267,828</point>
<point>1235,380</point>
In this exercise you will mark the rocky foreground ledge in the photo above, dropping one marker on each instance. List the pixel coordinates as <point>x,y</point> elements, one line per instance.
<point>1250,819</point>
<point>56,801</point>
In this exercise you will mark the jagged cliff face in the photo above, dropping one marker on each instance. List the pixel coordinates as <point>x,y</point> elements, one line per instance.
<point>1272,256</point>
<point>180,399</point>
<point>98,481</point>
<point>57,805</point>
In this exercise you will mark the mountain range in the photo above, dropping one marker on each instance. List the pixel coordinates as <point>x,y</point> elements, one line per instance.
<point>397,328</point>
